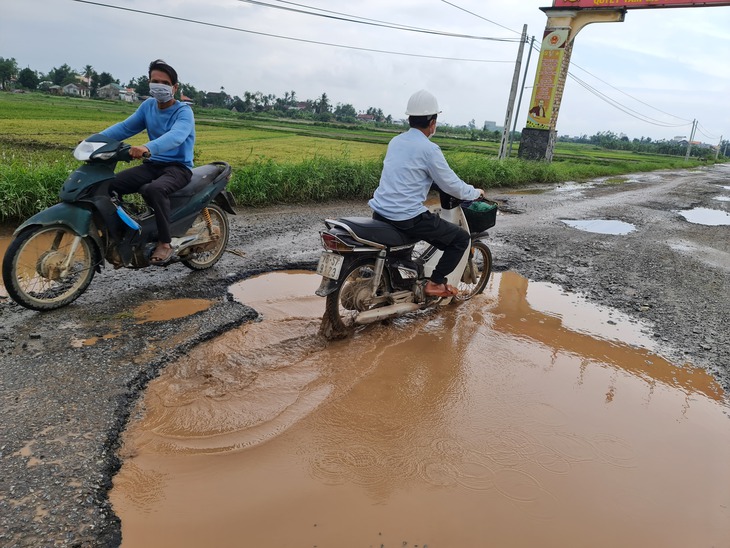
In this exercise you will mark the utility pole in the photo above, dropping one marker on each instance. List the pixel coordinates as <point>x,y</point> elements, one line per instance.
<point>691,138</point>
<point>512,95</point>
<point>717,152</point>
<point>519,101</point>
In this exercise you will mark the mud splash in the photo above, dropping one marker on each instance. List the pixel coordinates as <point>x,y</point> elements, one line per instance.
<point>522,418</point>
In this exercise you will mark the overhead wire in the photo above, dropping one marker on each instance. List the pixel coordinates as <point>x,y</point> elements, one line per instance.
<point>270,35</point>
<point>712,137</point>
<point>621,106</point>
<point>338,16</point>
<point>479,16</point>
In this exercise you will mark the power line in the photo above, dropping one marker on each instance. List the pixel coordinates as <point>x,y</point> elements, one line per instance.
<point>226,27</point>
<point>622,107</point>
<point>338,16</point>
<point>713,137</point>
<point>479,16</point>
<point>631,96</point>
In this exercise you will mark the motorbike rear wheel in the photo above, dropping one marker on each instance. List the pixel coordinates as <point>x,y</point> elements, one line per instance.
<point>350,298</point>
<point>212,252</point>
<point>477,272</point>
<point>45,268</point>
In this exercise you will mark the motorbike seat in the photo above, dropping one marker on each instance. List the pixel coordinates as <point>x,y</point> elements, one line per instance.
<point>202,177</point>
<point>378,231</point>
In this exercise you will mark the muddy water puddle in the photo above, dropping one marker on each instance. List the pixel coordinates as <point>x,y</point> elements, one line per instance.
<point>524,417</point>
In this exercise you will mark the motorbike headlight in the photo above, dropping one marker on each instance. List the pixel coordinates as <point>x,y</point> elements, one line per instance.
<point>104,155</point>
<point>85,149</point>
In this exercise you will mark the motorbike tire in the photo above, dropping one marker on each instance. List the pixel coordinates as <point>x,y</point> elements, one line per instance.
<point>33,267</point>
<point>348,299</point>
<point>207,258</point>
<point>480,260</point>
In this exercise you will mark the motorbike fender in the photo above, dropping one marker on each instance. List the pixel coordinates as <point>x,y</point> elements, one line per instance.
<point>326,287</point>
<point>226,201</point>
<point>76,218</point>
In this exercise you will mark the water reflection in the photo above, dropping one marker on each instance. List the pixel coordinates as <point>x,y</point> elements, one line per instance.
<point>496,419</point>
<point>706,216</point>
<point>602,226</point>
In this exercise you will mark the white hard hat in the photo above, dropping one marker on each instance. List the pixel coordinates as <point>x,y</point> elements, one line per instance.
<point>422,103</point>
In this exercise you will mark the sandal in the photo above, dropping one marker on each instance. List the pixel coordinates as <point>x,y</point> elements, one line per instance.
<point>162,256</point>
<point>440,290</point>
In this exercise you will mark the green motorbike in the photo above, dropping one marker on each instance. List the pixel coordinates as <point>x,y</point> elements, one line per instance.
<point>54,255</point>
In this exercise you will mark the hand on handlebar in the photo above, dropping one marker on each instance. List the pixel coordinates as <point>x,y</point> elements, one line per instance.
<point>138,152</point>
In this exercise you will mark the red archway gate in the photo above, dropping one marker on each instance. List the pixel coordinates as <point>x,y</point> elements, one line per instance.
<point>565,19</point>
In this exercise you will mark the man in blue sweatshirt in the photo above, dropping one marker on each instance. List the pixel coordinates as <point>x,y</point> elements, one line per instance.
<point>170,127</point>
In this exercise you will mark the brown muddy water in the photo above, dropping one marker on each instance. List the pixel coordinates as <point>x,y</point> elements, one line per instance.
<point>524,417</point>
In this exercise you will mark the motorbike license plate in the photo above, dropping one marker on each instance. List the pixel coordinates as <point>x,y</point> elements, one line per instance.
<point>329,265</point>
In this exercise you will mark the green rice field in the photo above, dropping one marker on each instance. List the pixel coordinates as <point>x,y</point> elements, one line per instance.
<point>274,160</point>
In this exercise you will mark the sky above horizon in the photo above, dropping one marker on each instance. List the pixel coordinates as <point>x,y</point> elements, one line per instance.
<point>648,76</point>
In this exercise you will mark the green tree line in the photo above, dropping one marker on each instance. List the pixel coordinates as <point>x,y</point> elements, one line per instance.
<point>319,109</point>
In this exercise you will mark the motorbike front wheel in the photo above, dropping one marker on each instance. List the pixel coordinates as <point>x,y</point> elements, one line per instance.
<point>45,268</point>
<point>477,272</point>
<point>217,231</point>
<point>354,295</point>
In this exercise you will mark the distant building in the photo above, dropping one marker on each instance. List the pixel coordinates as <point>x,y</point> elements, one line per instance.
<point>491,126</point>
<point>117,93</point>
<point>76,90</point>
<point>366,117</point>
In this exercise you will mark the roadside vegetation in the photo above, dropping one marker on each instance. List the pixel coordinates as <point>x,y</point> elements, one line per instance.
<point>279,160</point>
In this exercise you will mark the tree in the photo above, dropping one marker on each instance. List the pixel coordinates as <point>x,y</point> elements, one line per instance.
<point>8,70</point>
<point>141,85</point>
<point>376,113</point>
<point>105,79</point>
<point>322,105</point>
<point>28,78</point>
<point>345,113</point>
<point>88,71</point>
<point>62,75</point>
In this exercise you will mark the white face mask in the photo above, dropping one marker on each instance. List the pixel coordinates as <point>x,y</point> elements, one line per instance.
<point>433,132</point>
<point>161,92</point>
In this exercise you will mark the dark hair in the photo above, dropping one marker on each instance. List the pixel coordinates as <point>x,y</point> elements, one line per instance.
<point>421,122</point>
<point>159,64</point>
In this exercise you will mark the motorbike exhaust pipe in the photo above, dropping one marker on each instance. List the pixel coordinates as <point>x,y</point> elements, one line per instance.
<point>385,312</point>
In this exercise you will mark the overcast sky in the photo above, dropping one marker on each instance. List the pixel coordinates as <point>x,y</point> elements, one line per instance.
<point>665,66</point>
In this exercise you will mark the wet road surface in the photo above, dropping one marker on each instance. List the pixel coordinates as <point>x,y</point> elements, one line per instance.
<point>525,417</point>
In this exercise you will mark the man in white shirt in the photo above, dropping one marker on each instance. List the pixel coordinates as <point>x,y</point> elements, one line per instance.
<point>412,164</point>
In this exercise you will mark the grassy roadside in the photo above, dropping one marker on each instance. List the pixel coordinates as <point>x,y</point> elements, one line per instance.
<point>273,161</point>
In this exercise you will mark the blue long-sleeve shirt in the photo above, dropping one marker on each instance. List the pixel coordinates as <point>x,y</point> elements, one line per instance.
<point>171,131</point>
<point>411,164</point>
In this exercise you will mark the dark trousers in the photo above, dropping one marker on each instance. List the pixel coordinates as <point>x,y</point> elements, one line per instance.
<point>163,179</point>
<point>443,235</point>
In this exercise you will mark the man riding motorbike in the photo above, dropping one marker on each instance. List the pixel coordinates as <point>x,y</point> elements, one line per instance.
<point>170,126</point>
<point>412,164</point>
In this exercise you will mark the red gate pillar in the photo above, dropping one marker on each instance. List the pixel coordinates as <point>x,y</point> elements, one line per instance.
<point>539,135</point>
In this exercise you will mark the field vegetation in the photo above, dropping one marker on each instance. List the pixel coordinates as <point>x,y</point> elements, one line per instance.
<point>274,160</point>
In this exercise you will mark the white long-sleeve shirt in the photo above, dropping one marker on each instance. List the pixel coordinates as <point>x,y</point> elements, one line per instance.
<point>412,163</point>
